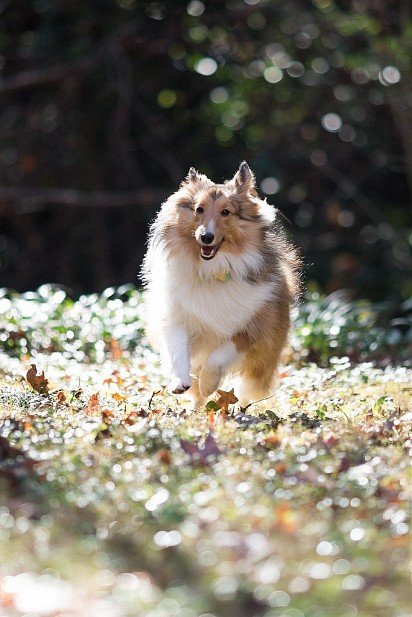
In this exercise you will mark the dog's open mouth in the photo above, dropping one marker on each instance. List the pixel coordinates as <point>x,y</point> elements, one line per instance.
<point>208,252</point>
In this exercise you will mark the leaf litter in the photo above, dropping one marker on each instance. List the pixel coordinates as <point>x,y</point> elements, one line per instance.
<point>114,491</point>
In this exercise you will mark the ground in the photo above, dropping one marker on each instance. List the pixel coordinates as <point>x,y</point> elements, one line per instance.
<point>117,502</point>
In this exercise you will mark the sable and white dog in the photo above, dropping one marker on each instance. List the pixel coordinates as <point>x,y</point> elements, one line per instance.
<point>220,281</point>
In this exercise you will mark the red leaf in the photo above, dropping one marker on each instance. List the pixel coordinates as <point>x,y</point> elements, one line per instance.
<point>164,456</point>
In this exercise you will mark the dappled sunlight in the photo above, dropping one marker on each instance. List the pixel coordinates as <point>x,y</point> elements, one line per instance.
<point>121,501</point>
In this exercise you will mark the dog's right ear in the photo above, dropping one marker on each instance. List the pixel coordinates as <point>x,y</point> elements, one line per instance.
<point>195,180</point>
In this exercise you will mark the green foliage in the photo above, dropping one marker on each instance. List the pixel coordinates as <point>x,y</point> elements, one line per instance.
<point>313,94</point>
<point>47,320</point>
<point>334,325</point>
<point>97,326</point>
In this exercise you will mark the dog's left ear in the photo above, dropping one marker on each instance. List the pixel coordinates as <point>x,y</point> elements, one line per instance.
<point>193,175</point>
<point>244,178</point>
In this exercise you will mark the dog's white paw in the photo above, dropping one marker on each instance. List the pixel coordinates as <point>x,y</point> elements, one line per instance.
<point>178,386</point>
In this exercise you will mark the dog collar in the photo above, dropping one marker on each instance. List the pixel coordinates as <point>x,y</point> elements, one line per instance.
<point>223,276</point>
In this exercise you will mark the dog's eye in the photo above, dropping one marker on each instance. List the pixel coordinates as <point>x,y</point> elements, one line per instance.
<point>225,212</point>
<point>199,210</point>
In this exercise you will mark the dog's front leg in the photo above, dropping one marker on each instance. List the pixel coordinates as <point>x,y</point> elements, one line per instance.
<point>216,365</point>
<point>178,361</point>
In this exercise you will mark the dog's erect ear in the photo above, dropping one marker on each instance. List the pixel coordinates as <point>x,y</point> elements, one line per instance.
<point>193,175</point>
<point>244,179</point>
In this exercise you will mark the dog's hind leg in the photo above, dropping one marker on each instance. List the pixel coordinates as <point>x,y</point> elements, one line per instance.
<point>258,374</point>
<point>216,366</point>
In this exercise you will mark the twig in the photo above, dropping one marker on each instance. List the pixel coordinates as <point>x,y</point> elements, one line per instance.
<point>152,397</point>
<point>243,409</point>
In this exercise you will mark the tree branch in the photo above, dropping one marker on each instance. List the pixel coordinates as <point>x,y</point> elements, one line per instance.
<point>52,74</point>
<point>49,75</point>
<point>34,197</point>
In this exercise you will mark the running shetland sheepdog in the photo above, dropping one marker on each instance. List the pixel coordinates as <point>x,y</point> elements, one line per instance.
<point>220,279</point>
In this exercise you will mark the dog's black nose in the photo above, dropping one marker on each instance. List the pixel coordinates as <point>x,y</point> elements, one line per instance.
<point>207,238</point>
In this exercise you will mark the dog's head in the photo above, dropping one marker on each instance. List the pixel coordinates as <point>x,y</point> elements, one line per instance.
<point>221,217</point>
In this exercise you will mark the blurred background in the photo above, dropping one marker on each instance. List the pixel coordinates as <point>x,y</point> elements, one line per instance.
<point>105,105</point>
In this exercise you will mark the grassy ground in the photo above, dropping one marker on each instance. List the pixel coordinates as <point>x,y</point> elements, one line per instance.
<point>116,501</point>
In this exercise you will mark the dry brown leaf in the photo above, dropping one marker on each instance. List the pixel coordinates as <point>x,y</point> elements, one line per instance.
<point>61,397</point>
<point>37,382</point>
<point>272,441</point>
<point>93,404</point>
<point>226,399</point>
<point>134,416</point>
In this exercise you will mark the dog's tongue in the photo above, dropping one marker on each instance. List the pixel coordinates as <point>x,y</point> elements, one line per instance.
<point>207,250</point>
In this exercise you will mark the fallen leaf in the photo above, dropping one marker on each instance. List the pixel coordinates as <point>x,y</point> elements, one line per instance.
<point>28,422</point>
<point>102,432</point>
<point>272,440</point>
<point>115,349</point>
<point>190,448</point>
<point>225,399</point>
<point>286,519</point>
<point>200,454</point>
<point>107,416</point>
<point>61,397</point>
<point>93,404</point>
<point>133,416</point>
<point>330,440</point>
<point>38,382</point>
<point>210,446</point>
<point>345,464</point>
<point>119,397</point>
<point>164,456</point>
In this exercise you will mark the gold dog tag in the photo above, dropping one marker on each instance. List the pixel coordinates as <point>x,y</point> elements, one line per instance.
<point>223,276</point>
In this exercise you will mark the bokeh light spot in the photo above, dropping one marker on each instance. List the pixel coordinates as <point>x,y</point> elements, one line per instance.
<point>195,8</point>
<point>270,185</point>
<point>332,122</point>
<point>219,95</point>
<point>389,76</point>
<point>166,98</point>
<point>272,74</point>
<point>206,66</point>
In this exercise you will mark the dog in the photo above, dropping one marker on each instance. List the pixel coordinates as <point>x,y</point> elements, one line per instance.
<point>220,279</point>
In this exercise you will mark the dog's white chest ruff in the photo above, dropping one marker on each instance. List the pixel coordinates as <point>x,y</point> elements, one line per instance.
<point>221,307</point>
